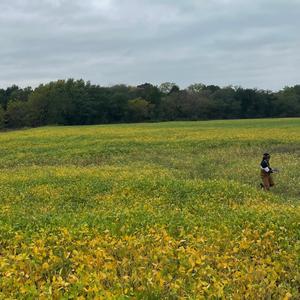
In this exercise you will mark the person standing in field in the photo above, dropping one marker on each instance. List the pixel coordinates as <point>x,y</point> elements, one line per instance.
<point>266,172</point>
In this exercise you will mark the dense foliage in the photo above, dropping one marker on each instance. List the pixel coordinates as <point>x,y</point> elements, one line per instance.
<point>167,210</point>
<point>71,102</point>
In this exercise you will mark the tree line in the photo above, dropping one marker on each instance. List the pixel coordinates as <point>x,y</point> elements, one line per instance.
<point>76,102</point>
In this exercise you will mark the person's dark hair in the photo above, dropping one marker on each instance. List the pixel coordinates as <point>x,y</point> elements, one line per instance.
<point>266,155</point>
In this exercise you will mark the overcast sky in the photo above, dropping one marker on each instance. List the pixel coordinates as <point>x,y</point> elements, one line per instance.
<point>226,42</point>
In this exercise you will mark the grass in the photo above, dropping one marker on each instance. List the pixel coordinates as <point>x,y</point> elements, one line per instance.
<point>150,211</point>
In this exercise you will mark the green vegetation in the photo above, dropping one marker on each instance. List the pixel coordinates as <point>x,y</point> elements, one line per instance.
<point>150,211</point>
<point>76,102</point>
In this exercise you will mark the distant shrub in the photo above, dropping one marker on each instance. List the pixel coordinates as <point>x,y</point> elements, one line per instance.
<point>2,117</point>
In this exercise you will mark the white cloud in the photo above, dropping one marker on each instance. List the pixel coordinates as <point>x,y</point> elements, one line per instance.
<point>251,43</point>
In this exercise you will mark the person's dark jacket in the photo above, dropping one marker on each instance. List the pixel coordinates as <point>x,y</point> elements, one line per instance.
<point>265,166</point>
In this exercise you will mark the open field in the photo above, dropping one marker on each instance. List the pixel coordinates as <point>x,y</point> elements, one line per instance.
<point>150,211</point>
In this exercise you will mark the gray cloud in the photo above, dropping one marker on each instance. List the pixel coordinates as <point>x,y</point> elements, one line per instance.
<point>249,43</point>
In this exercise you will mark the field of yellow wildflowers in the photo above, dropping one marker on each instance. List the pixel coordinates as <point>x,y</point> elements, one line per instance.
<point>150,211</point>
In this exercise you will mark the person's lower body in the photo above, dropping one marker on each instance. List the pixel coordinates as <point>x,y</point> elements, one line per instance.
<point>267,181</point>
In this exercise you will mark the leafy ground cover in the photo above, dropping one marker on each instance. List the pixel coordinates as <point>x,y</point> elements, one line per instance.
<point>150,211</point>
